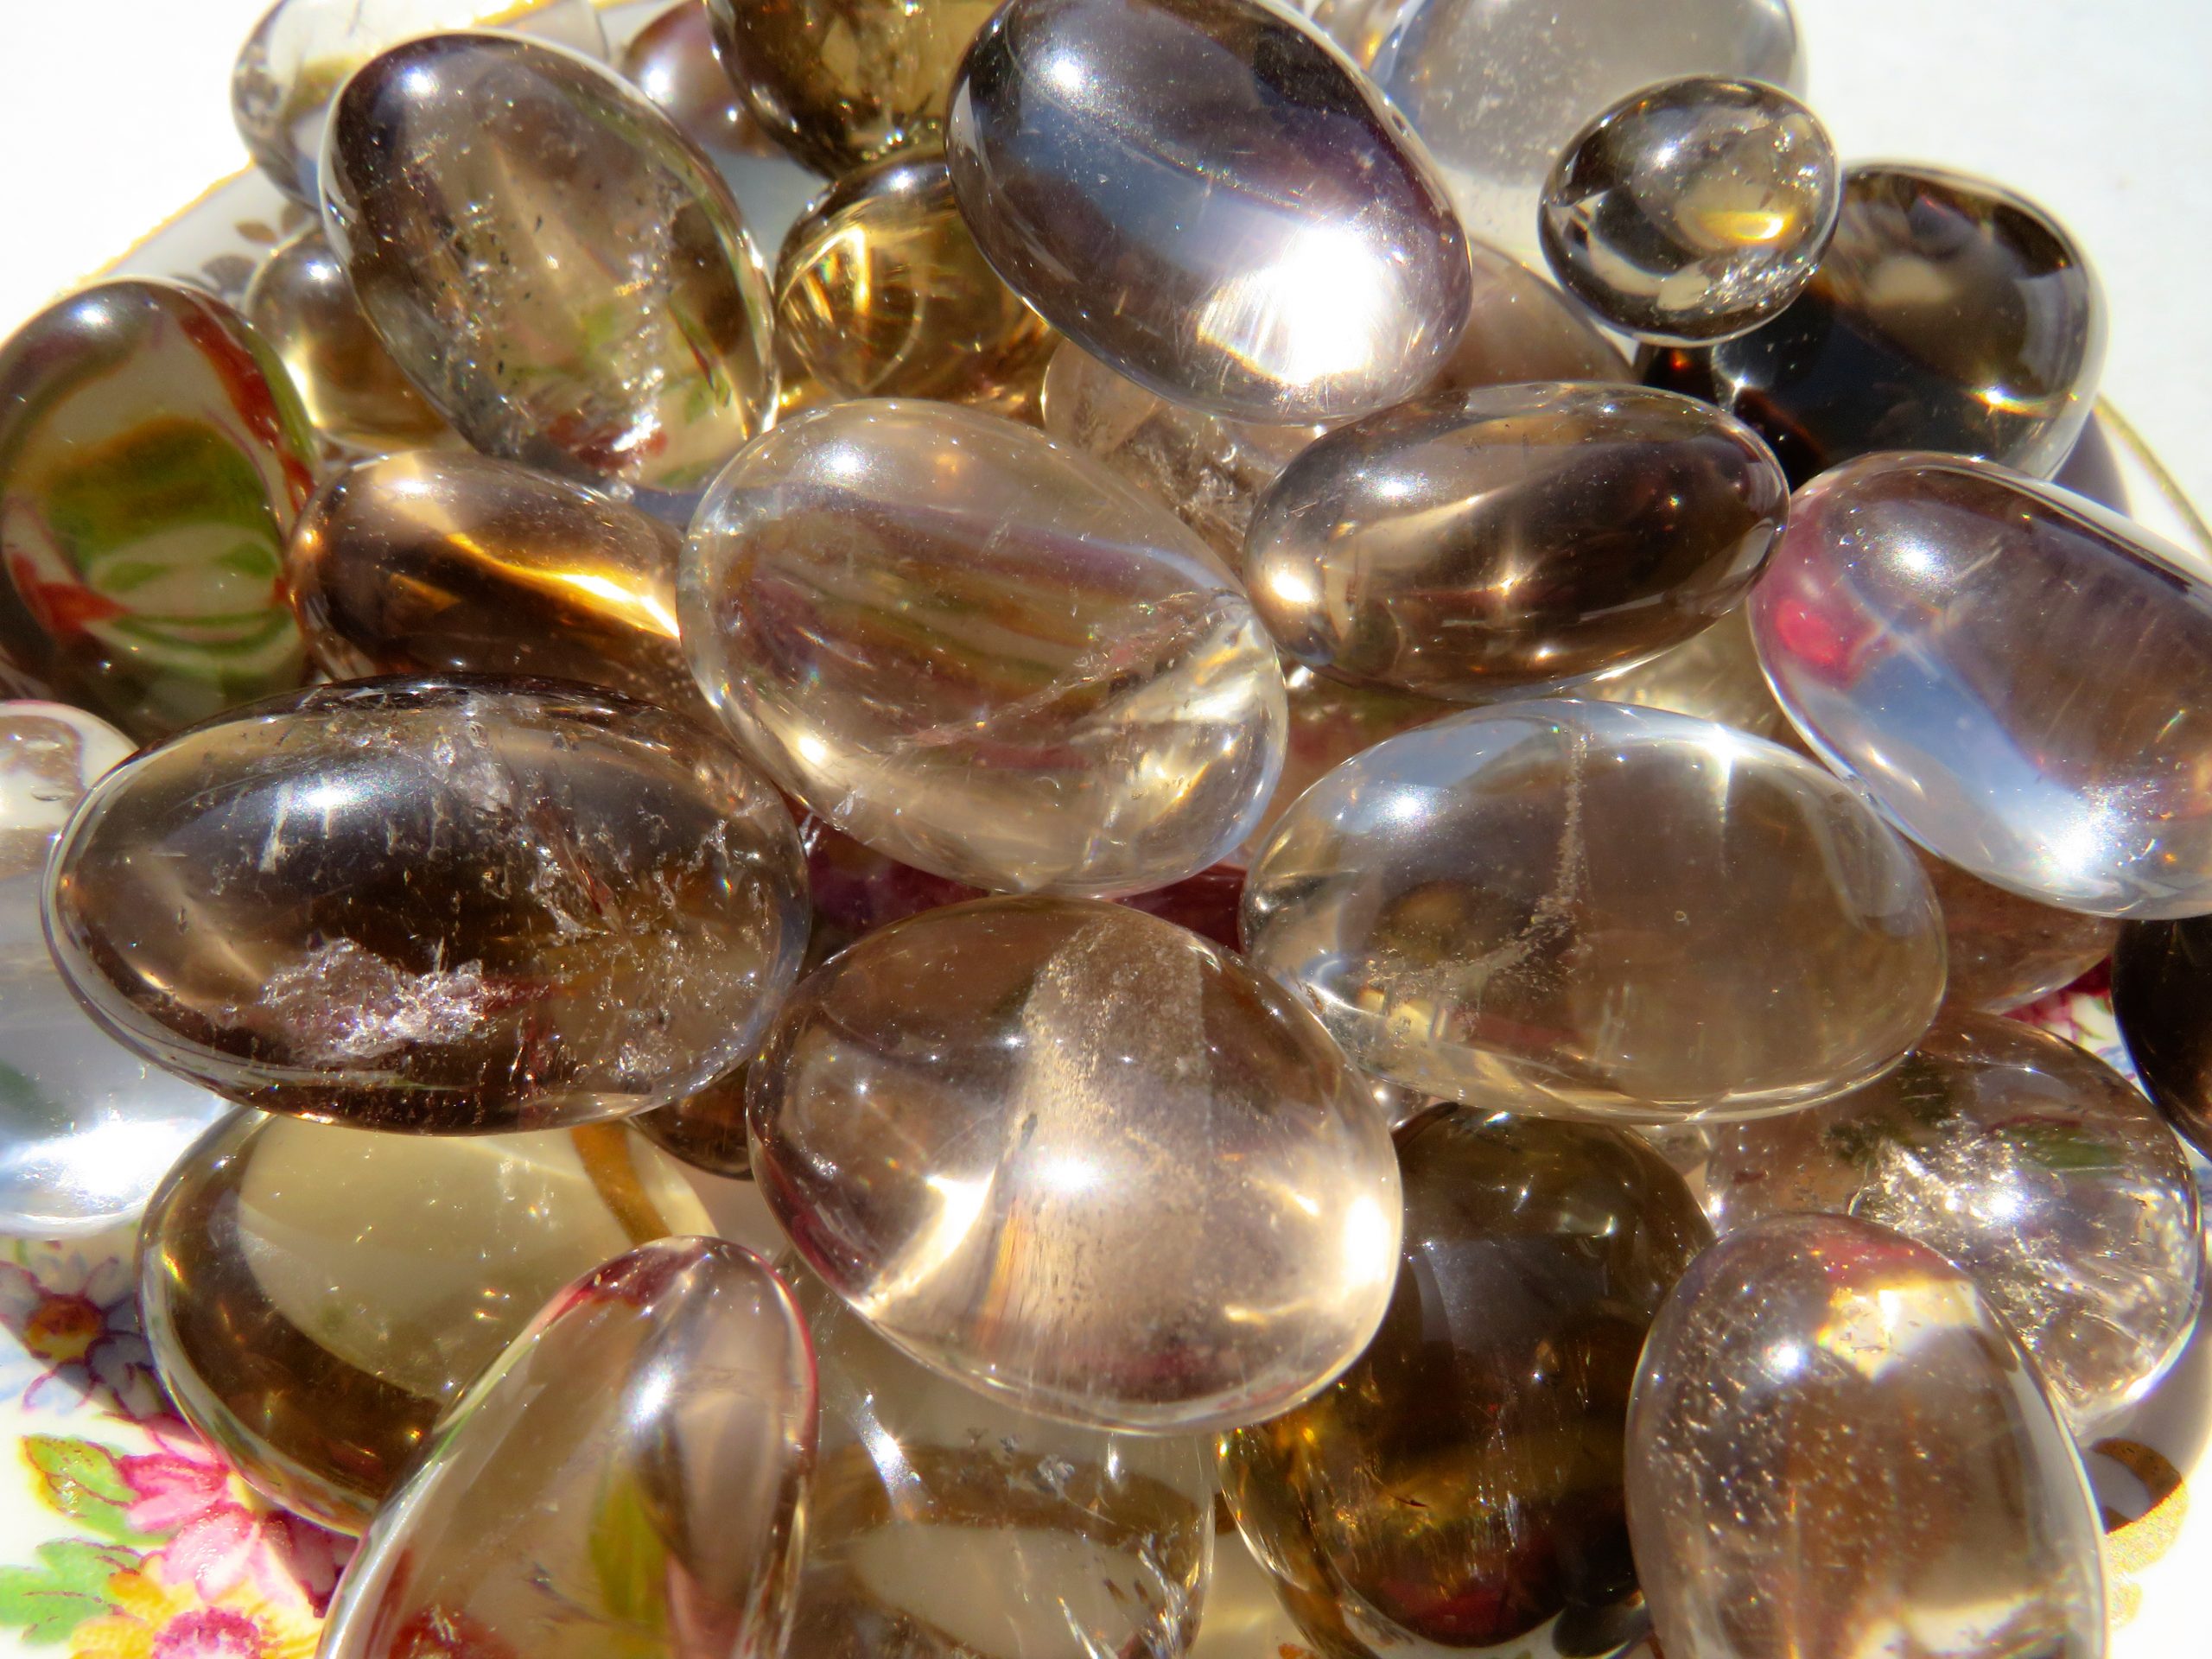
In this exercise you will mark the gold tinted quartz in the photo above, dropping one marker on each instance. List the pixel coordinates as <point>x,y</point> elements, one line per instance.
<point>317,1296</point>
<point>672,60</point>
<point>1330,722</point>
<point>453,905</point>
<point>1714,675</point>
<point>2005,950</point>
<point>705,1129</point>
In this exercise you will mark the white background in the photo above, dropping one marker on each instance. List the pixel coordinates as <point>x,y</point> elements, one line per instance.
<point>115,113</point>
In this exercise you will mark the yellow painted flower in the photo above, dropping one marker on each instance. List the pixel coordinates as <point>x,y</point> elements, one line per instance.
<point>154,1620</point>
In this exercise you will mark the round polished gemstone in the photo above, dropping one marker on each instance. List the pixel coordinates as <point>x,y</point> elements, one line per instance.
<point>2162,996</point>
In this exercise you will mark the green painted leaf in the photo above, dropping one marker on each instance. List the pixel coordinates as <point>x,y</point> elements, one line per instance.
<point>68,1585</point>
<point>84,1482</point>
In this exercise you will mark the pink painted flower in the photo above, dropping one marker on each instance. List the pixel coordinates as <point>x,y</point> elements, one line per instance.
<point>76,1319</point>
<point>220,1535</point>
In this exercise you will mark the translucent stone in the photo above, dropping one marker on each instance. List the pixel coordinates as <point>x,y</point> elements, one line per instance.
<point>1079,1158</point>
<point>317,1296</point>
<point>628,1479</point>
<point>1460,1488</point>
<point>598,310</point>
<point>880,291</point>
<point>1014,672</point>
<point>1330,722</point>
<point>454,562</point>
<point>450,905</point>
<point>1837,1446</point>
<point>1490,541</point>
<point>1203,194</point>
<point>2162,995</point>
<point>1947,313</point>
<point>301,51</point>
<point>2004,951</point>
<point>2026,1162</point>
<point>1714,675</point>
<point>1584,909</point>
<point>2022,679</point>
<point>944,1524</point>
<point>1694,210</point>
<point>705,1130</point>
<point>152,457</point>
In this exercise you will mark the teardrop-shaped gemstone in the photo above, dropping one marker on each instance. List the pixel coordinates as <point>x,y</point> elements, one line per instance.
<point>1837,1446</point>
<point>1078,1157</point>
<point>562,274</point>
<point>316,1296</point>
<point>1512,536</point>
<point>2162,996</point>
<point>451,905</point>
<point>153,455</point>
<point>2003,951</point>
<point>1585,909</point>
<point>980,654</point>
<point>2022,679</point>
<point>1459,1487</point>
<point>1206,195</point>
<point>630,1477</point>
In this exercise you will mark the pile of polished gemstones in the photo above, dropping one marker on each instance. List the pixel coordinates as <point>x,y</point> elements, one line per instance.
<point>1252,824</point>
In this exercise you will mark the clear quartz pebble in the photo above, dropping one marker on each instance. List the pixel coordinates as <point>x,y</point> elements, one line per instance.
<point>1587,909</point>
<point>1693,210</point>
<point>2018,676</point>
<point>629,1478</point>
<point>317,1296</point>
<point>1836,1446</point>
<point>1205,195</point>
<point>448,904</point>
<point>980,654</point>
<point>1082,1158</point>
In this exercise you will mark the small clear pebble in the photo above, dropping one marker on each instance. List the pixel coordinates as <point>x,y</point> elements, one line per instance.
<point>317,1296</point>
<point>1460,1488</point>
<point>2162,996</point>
<point>1693,210</point>
<point>1586,909</point>
<point>980,654</point>
<point>2022,679</point>
<point>2004,951</point>
<point>1510,537</point>
<point>628,1479</point>
<point>1837,1446</point>
<point>2026,1162</point>
<point>153,455</point>
<point>599,310</point>
<point>451,905</point>
<point>1714,675</point>
<point>1079,1158</point>
<point>943,1522</point>
<point>1204,196</point>
<point>1948,313</point>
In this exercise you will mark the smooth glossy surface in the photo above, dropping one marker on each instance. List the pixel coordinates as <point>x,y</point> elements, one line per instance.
<point>1460,1486</point>
<point>451,905</point>
<point>1330,722</point>
<point>1505,908</point>
<point>152,456</point>
<point>980,654</point>
<point>672,60</point>
<point>1490,541</point>
<point>629,1478</point>
<point>317,1296</point>
<point>1713,676</point>
<point>1203,194</point>
<point>1694,210</point>
<point>1837,1446</point>
<point>1947,313</point>
<point>706,1129</point>
<point>2162,995</point>
<point>2004,951</point>
<point>2022,679</point>
<point>562,275</point>
<point>2024,1161</point>
<point>1078,1157</point>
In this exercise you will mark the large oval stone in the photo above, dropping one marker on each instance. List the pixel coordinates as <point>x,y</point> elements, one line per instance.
<point>452,906</point>
<point>1206,195</point>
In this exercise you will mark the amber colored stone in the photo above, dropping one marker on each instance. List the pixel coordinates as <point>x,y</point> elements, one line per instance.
<point>672,60</point>
<point>1331,722</point>
<point>1460,1486</point>
<point>2005,951</point>
<point>1715,675</point>
<point>705,1129</point>
<point>2162,996</point>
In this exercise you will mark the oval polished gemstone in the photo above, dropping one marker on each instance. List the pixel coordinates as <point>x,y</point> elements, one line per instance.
<point>598,309</point>
<point>2024,1161</point>
<point>1836,1446</point>
<point>1490,541</point>
<point>316,1296</point>
<point>1078,1157</point>
<point>437,562</point>
<point>1205,195</point>
<point>1947,313</point>
<point>2021,679</point>
<point>1693,210</point>
<point>450,905</point>
<point>1500,908</point>
<point>2004,951</point>
<point>153,455</point>
<point>2162,996</point>
<point>628,1478</point>
<point>979,654</point>
<point>1460,1486</point>
<point>1714,675</point>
